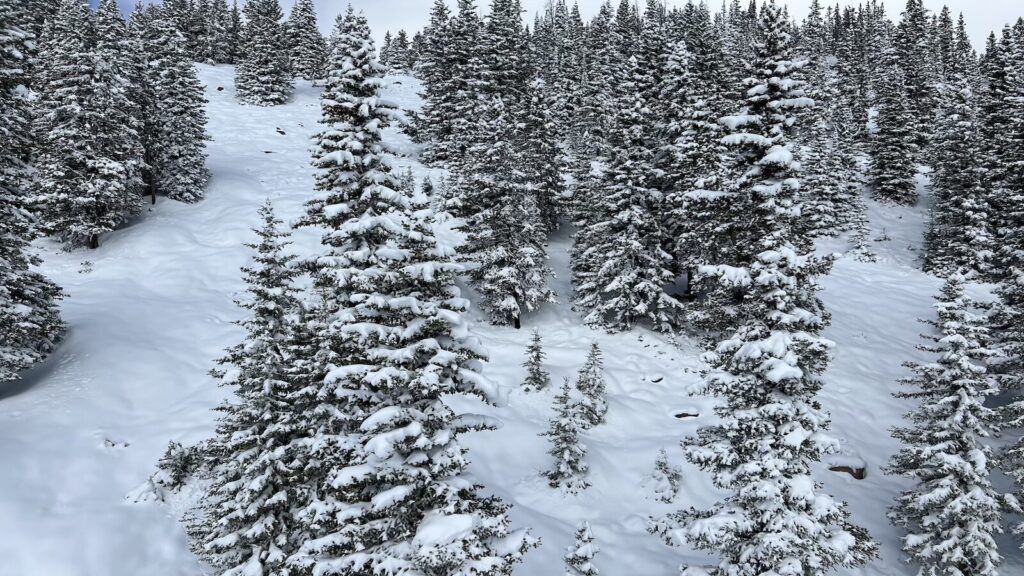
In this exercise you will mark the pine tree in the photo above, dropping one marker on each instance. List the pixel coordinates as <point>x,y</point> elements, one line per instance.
<point>690,158</point>
<point>579,559</point>
<point>307,47</point>
<point>233,35</point>
<point>894,148</point>
<point>262,77</point>
<point>29,319</point>
<point>249,525</point>
<point>591,385</point>
<point>545,160</point>
<point>772,427</point>
<point>391,470</point>
<point>570,468</point>
<point>666,478</point>
<point>537,378</point>
<point>620,263</point>
<point>117,67</point>
<point>505,231</point>
<point>179,156</point>
<point>960,237</point>
<point>85,185</point>
<point>953,513</point>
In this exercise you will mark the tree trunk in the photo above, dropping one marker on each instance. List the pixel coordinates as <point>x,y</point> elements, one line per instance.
<point>517,323</point>
<point>94,241</point>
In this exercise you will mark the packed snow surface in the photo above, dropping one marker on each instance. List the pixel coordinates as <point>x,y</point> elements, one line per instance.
<point>152,309</point>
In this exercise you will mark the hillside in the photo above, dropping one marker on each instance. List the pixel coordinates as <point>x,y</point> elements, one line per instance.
<point>152,308</point>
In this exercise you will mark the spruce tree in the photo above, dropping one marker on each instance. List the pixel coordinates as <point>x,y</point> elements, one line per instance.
<point>179,156</point>
<point>116,67</point>
<point>307,47</point>
<point>591,385</point>
<point>29,319</point>
<point>579,558</point>
<point>545,160</point>
<point>85,182</point>
<point>570,468</point>
<point>768,371</point>
<point>953,513</point>
<point>390,467</point>
<point>262,77</point>
<point>960,236</point>
<point>665,479</point>
<point>620,264</point>
<point>894,149</point>
<point>505,231</point>
<point>249,524</point>
<point>536,378</point>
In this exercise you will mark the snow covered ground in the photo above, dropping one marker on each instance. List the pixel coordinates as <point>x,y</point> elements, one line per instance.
<point>152,308</point>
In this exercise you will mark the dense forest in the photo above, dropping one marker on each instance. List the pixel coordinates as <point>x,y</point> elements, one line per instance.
<point>698,158</point>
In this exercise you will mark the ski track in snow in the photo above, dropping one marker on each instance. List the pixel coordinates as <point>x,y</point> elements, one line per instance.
<point>155,311</point>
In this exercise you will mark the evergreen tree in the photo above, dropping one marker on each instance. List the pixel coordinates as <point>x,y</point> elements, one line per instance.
<point>233,35</point>
<point>86,167</point>
<point>395,343</point>
<point>537,378</point>
<point>117,70</point>
<point>29,319</point>
<point>953,514</point>
<point>249,525</point>
<point>959,235</point>
<point>545,160</point>
<point>307,47</point>
<point>620,264</point>
<point>570,468</point>
<point>178,158</point>
<point>666,478</point>
<point>768,371</point>
<point>262,77</point>
<point>505,232</point>
<point>894,148</point>
<point>591,385</point>
<point>579,559</point>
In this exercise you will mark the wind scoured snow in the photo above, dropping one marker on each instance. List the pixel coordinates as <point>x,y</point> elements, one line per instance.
<point>84,430</point>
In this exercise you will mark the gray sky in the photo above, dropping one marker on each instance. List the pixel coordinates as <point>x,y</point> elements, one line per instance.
<point>982,16</point>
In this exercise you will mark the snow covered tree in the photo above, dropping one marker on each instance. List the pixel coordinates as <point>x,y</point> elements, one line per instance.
<point>233,34</point>
<point>306,45</point>
<point>894,148</point>
<point>86,169</point>
<point>953,514</point>
<point>768,371</point>
<point>591,385</point>
<point>249,525</point>
<point>545,161</point>
<point>689,159</point>
<point>620,264</point>
<point>262,77</point>
<point>579,558</point>
<point>116,68</point>
<point>393,496</point>
<point>960,236</point>
<point>505,232</point>
<point>29,319</point>
<point>569,471</point>
<point>536,378</point>
<point>178,158</point>
<point>666,478</point>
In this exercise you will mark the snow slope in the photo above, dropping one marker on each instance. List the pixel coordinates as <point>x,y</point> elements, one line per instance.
<point>153,309</point>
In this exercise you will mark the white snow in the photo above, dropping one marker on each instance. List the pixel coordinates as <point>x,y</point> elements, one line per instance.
<point>84,430</point>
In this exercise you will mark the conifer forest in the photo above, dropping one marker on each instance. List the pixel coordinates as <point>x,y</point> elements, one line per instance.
<point>532,288</point>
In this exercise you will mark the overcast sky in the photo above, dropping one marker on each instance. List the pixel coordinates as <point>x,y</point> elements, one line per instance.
<point>983,16</point>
